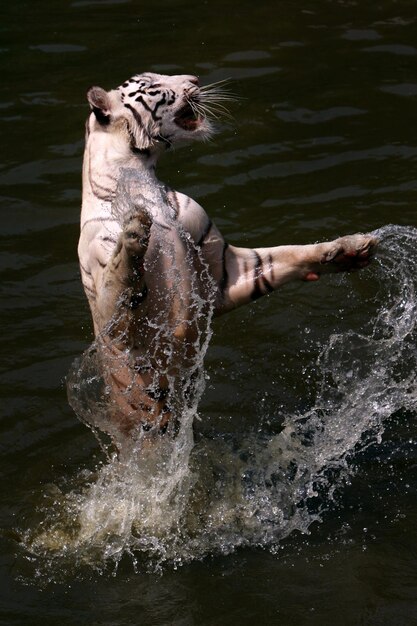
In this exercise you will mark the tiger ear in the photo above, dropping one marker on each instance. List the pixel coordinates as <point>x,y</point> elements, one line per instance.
<point>100,104</point>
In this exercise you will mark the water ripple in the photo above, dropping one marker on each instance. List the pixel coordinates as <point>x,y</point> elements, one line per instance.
<point>296,168</point>
<point>306,116</point>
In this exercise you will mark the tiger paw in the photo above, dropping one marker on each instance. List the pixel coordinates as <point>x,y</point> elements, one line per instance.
<point>136,233</point>
<point>349,253</point>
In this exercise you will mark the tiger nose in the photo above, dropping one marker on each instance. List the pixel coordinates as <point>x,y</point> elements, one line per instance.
<point>192,79</point>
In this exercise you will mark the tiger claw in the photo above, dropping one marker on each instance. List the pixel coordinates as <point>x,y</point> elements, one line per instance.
<point>136,233</point>
<point>350,253</point>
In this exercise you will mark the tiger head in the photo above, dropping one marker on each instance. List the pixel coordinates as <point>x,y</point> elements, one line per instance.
<point>151,109</point>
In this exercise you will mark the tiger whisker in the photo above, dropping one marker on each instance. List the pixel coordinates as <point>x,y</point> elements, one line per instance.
<point>214,88</point>
<point>215,106</point>
<point>218,99</point>
<point>215,92</point>
<point>209,109</point>
<point>224,81</point>
<point>219,94</point>
<point>219,113</point>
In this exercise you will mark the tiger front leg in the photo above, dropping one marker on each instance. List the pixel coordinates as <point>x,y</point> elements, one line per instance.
<point>123,286</point>
<point>251,273</point>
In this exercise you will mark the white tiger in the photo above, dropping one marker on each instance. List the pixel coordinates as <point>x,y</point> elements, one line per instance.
<point>152,259</point>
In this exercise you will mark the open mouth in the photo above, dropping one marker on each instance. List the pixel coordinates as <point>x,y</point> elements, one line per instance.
<point>187,118</point>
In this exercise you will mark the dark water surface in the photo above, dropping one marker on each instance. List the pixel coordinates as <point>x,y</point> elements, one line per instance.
<point>323,142</point>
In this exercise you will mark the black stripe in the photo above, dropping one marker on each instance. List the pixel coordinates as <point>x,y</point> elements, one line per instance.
<point>138,120</point>
<point>101,196</point>
<point>261,284</point>
<point>257,273</point>
<point>83,269</point>
<point>144,104</point>
<point>91,293</point>
<point>205,232</point>
<point>107,238</point>
<point>225,277</point>
<point>271,266</point>
<point>157,105</point>
<point>136,115</point>
<point>173,198</point>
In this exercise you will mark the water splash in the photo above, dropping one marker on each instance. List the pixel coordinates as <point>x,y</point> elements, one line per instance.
<point>178,501</point>
<point>156,359</point>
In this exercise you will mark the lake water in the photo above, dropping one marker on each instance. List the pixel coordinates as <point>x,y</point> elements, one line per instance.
<point>298,504</point>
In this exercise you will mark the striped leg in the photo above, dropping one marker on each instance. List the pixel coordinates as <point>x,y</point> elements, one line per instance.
<point>251,273</point>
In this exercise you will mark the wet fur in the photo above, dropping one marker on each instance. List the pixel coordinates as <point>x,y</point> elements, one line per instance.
<point>147,251</point>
